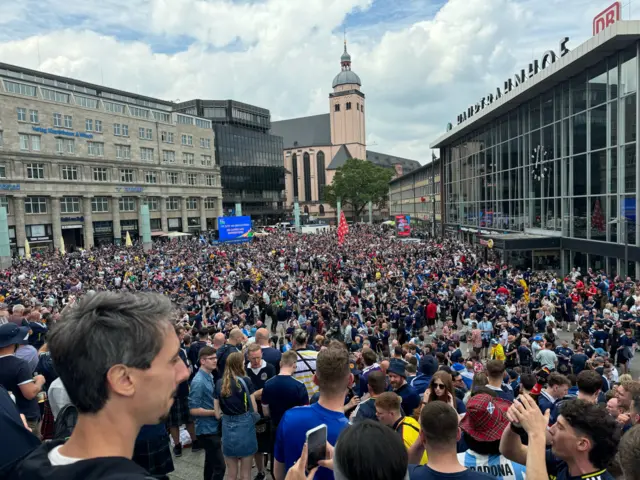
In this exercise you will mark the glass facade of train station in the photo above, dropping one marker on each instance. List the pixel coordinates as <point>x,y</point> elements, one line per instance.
<point>562,164</point>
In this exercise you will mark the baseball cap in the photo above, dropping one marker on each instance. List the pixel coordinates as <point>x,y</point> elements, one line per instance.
<point>485,419</point>
<point>12,334</point>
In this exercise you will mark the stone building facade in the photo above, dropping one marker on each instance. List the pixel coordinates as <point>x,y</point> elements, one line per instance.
<point>78,160</point>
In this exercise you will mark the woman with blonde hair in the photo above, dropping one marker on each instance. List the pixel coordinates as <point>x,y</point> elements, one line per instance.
<point>235,403</point>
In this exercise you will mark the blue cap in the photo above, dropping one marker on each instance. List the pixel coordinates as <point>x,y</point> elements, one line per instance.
<point>12,334</point>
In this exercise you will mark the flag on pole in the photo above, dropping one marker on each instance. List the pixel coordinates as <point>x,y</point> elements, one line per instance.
<point>62,249</point>
<point>343,228</point>
<point>128,241</point>
<point>27,249</point>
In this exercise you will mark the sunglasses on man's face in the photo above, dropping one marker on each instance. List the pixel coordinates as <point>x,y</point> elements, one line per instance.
<point>439,386</point>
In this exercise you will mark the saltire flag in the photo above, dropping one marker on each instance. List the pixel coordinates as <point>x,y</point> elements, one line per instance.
<point>203,241</point>
<point>343,228</point>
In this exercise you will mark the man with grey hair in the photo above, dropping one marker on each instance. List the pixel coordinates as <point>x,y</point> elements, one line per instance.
<point>17,314</point>
<point>118,357</point>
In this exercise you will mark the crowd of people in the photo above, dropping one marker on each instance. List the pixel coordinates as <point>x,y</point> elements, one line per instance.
<point>422,359</point>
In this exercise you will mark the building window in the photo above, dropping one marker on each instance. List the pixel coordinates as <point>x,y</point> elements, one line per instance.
<point>35,205</point>
<point>188,158</point>
<point>348,105</point>
<point>22,114</point>
<point>153,203</point>
<point>203,123</point>
<point>127,204</point>
<point>95,149</point>
<point>145,133</point>
<point>211,180</point>
<point>358,106</point>
<point>126,175</point>
<point>210,203</point>
<point>187,140</point>
<point>294,170</point>
<point>192,203</point>
<point>336,107</point>
<point>100,204</point>
<point>3,171</point>
<point>168,156</point>
<point>206,160</point>
<point>70,205</point>
<point>205,143</point>
<point>123,152</point>
<point>306,165</point>
<point>139,112</point>
<point>68,121</point>
<point>19,88</point>
<point>192,179</point>
<point>146,154</point>
<point>54,96</point>
<point>113,107</point>
<point>117,129</point>
<point>4,202</point>
<point>69,172</point>
<point>99,126</point>
<point>33,116</point>
<point>86,102</point>
<point>166,137</point>
<point>88,125</point>
<point>183,119</point>
<point>173,203</point>
<point>362,108</point>
<point>320,174</point>
<point>172,177</point>
<point>100,174</point>
<point>35,171</point>
<point>29,143</point>
<point>65,145</point>
<point>1,138</point>
<point>151,177</point>
<point>57,120</point>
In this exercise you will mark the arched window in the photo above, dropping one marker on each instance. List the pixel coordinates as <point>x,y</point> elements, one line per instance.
<point>294,172</point>
<point>322,178</point>
<point>306,210</point>
<point>306,163</point>
<point>321,209</point>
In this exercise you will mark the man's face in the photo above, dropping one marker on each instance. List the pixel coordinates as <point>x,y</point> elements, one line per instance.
<point>154,388</point>
<point>395,380</point>
<point>566,442</point>
<point>210,362</point>
<point>559,391</point>
<point>255,358</point>
<point>385,417</point>
<point>612,407</point>
<point>624,398</point>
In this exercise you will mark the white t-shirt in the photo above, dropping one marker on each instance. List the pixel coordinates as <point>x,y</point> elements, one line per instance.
<point>58,460</point>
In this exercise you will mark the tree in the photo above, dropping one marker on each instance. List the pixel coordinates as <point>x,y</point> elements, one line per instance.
<point>357,183</point>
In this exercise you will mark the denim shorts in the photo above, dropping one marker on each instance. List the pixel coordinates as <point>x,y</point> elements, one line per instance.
<point>239,436</point>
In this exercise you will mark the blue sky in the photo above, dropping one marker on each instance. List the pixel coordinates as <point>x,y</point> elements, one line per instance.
<point>420,61</point>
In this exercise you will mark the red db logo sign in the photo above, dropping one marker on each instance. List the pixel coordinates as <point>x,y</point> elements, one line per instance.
<point>608,17</point>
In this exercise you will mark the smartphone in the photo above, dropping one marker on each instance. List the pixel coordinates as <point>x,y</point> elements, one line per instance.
<point>316,446</point>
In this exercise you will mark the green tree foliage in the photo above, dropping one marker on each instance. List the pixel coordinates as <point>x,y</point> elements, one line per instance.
<point>357,183</point>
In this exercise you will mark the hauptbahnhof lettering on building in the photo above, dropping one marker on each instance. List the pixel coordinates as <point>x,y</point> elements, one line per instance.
<point>549,169</point>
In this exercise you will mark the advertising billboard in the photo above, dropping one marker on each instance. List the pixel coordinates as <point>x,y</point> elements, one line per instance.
<point>234,229</point>
<point>403,226</point>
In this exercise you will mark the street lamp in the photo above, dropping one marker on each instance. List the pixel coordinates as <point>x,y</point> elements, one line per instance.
<point>433,223</point>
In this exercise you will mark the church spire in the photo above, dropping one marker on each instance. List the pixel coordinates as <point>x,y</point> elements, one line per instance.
<point>345,60</point>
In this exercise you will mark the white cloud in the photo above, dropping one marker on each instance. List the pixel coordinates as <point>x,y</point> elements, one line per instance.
<point>417,73</point>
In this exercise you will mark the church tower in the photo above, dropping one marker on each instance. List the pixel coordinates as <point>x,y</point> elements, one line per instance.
<point>347,110</point>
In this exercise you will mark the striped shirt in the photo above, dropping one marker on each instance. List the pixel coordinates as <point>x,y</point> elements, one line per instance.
<point>495,465</point>
<point>305,369</point>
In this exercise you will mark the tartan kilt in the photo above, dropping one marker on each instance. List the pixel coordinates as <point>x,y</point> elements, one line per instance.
<point>48,422</point>
<point>154,455</point>
<point>179,414</point>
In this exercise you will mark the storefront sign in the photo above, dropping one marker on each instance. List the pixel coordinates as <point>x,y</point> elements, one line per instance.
<point>174,223</point>
<point>68,227</point>
<point>130,189</point>
<point>608,16</point>
<point>39,239</point>
<point>549,57</point>
<point>66,133</point>
<point>10,186</point>
<point>131,228</point>
<point>72,219</point>
<point>103,227</point>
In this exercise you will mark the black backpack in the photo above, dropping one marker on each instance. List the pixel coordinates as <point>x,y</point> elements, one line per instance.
<point>65,422</point>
